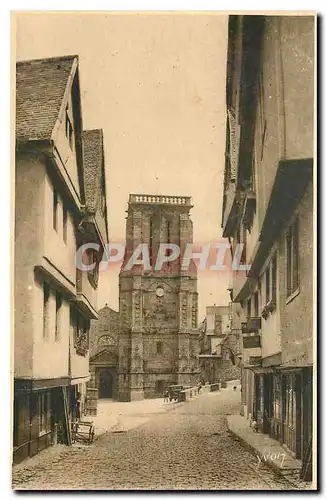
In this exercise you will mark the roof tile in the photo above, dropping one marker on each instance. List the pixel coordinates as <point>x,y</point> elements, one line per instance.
<point>93,157</point>
<point>40,88</point>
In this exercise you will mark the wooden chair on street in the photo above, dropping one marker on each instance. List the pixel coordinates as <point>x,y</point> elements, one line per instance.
<point>83,432</point>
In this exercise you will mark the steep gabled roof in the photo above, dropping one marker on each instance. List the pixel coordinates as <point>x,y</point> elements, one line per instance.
<point>93,161</point>
<point>40,88</point>
<point>95,176</point>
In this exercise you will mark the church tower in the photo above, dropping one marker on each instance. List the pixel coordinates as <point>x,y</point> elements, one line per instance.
<point>158,340</point>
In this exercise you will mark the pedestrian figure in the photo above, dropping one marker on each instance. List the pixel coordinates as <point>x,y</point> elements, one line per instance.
<point>78,405</point>
<point>234,388</point>
<point>199,388</point>
<point>166,396</point>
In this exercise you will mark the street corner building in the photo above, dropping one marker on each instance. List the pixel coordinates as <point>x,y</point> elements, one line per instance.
<point>158,339</point>
<point>59,206</point>
<point>268,206</point>
<point>220,346</point>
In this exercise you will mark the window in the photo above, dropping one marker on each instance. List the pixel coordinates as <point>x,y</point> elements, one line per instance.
<point>290,401</point>
<point>292,258</point>
<point>69,130</point>
<point>277,397</point>
<point>64,223</point>
<point>81,329</point>
<point>218,324</point>
<point>267,284</point>
<point>44,412</point>
<point>46,298</point>
<point>244,239</point>
<point>270,276</point>
<point>159,347</point>
<point>58,315</point>
<point>240,238</point>
<point>249,308</point>
<point>256,304</point>
<point>274,279</point>
<point>73,323</point>
<point>55,210</point>
<point>92,259</point>
<point>106,340</point>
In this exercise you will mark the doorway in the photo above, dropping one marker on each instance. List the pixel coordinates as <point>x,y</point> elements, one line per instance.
<point>159,387</point>
<point>292,431</point>
<point>105,383</point>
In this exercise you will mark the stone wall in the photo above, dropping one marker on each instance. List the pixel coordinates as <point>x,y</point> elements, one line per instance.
<point>106,326</point>
<point>296,312</point>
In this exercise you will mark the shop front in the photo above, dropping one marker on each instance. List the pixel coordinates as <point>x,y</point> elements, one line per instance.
<point>39,415</point>
<point>283,409</point>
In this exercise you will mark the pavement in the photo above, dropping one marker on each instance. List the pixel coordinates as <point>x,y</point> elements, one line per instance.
<point>114,416</point>
<point>183,447</point>
<point>266,449</point>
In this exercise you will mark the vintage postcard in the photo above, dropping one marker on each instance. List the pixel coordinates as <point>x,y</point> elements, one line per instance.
<point>164,316</point>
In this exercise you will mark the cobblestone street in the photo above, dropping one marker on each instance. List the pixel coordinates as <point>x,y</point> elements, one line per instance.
<point>187,447</point>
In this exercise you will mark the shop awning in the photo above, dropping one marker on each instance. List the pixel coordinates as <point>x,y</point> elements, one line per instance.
<point>259,370</point>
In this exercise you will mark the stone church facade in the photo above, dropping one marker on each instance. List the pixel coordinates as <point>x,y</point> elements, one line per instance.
<point>158,339</point>
<point>104,334</point>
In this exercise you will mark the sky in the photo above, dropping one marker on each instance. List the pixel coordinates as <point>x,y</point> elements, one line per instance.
<point>155,84</point>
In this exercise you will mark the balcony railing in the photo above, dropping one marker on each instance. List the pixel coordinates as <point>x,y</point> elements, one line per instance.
<point>251,333</point>
<point>160,200</point>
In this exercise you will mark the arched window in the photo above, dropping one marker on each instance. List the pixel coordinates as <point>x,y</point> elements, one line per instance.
<point>106,340</point>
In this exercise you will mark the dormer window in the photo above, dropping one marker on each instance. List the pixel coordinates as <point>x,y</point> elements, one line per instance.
<point>69,129</point>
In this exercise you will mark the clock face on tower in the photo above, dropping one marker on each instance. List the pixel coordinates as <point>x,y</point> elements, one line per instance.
<point>160,291</point>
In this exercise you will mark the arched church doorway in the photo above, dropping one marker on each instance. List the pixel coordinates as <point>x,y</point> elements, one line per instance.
<point>105,383</point>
